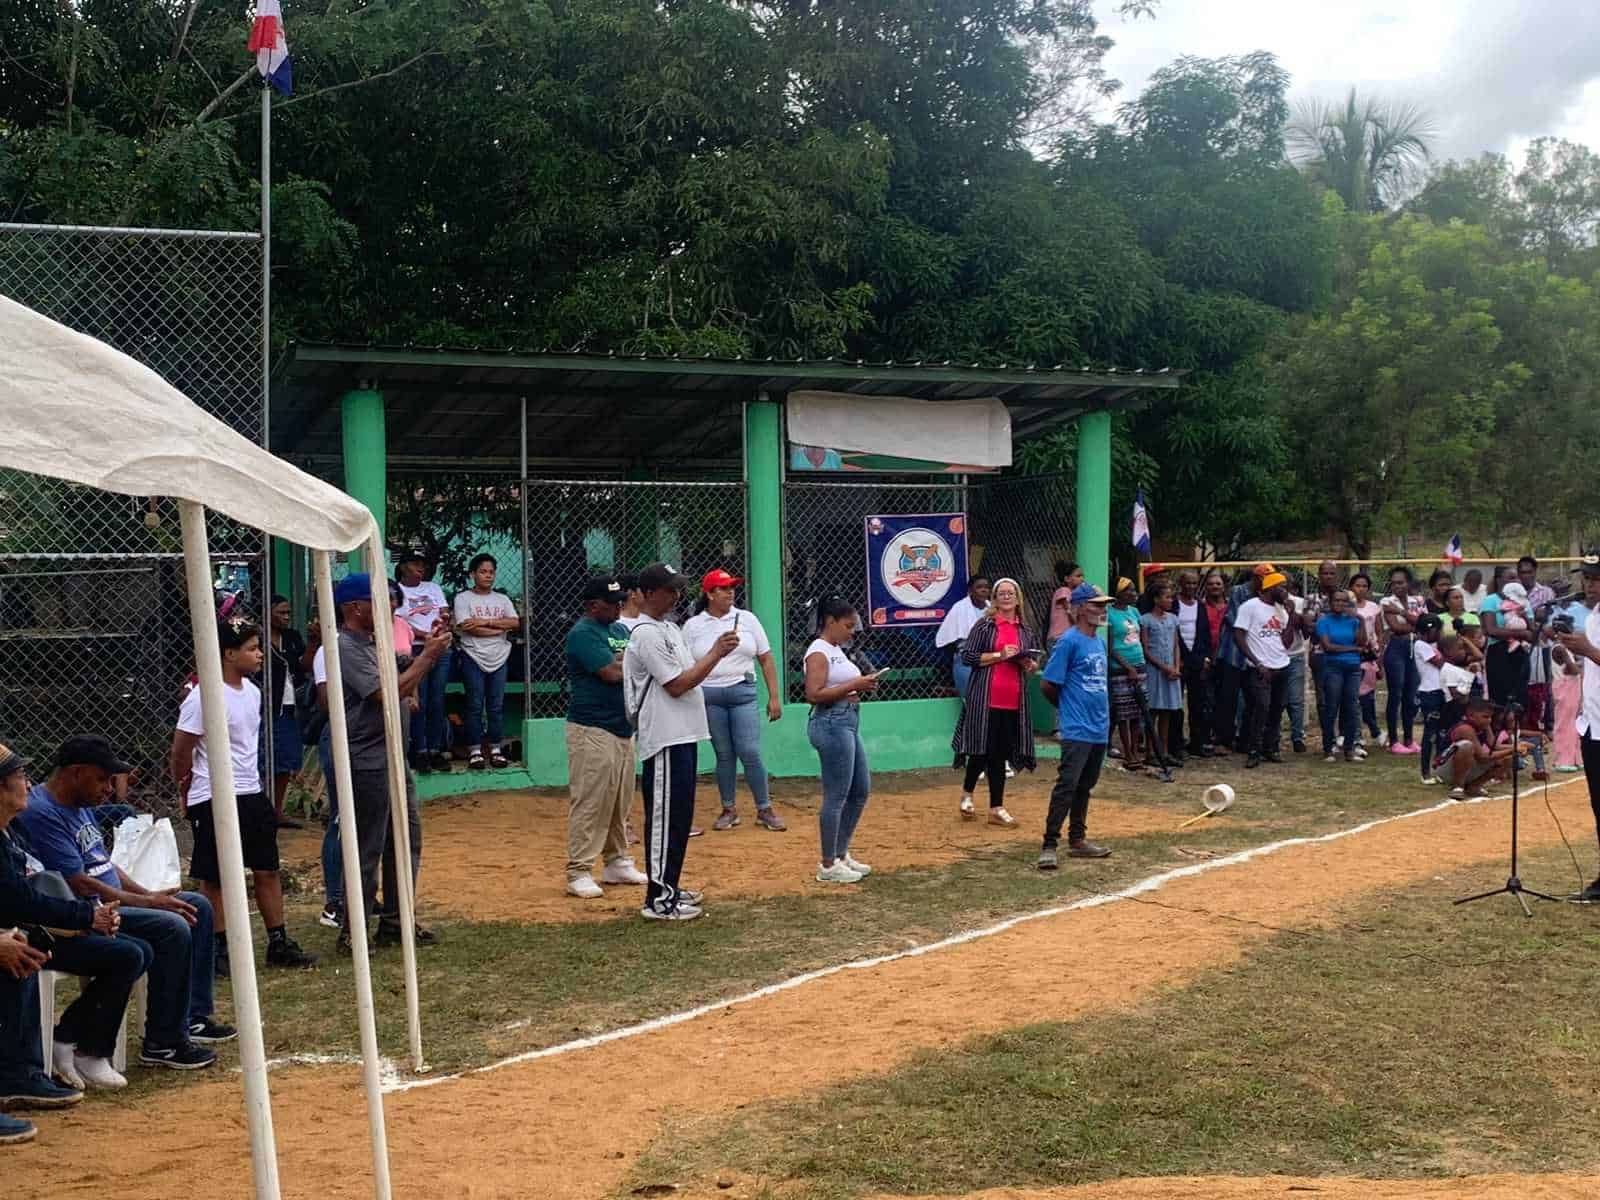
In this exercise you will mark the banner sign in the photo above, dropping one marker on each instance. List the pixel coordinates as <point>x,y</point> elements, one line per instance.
<point>916,568</point>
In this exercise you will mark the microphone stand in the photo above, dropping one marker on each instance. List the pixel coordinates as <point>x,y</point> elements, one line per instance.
<point>1513,885</point>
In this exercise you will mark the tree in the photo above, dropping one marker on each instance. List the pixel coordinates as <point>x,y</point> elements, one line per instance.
<point>1392,397</point>
<point>1366,150</point>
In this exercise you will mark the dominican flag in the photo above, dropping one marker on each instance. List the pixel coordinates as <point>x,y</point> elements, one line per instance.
<point>1452,552</point>
<point>272,51</point>
<point>1141,525</point>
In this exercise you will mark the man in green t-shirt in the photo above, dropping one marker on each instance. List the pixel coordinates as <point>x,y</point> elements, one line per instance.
<point>599,744</point>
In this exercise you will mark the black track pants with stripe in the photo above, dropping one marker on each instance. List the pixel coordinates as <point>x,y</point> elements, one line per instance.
<point>669,777</point>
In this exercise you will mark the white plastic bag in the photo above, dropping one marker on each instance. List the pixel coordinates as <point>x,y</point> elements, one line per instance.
<point>147,852</point>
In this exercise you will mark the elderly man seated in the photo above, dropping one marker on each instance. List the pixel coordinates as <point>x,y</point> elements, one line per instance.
<point>92,1021</point>
<point>174,930</point>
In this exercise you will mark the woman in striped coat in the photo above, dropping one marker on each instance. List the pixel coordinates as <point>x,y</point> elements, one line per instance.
<point>994,729</point>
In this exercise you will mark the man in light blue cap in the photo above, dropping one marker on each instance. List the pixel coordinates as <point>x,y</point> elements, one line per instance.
<point>369,753</point>
<point>1074,680</point>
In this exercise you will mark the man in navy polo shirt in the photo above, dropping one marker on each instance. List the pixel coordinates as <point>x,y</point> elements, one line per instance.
<point>176,927</point>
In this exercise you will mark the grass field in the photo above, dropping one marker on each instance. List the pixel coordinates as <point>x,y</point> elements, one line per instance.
<point>1411,1038</point>
<point>497,988</point>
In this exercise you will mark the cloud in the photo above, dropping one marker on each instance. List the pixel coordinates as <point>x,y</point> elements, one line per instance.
<point>1493,73</point>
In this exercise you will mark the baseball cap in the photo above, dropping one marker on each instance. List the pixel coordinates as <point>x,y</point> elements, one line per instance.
<point>604,587</point>
<point>1264,569</point>
<point>91,750</point>
<point>11,762</point>
<point>1589,565</point>
<point>662,575</point>
<point>719,578</point>
<point>352,588</point>
<point>1087,593</point>
<point>412,554</point>
<point>1272,579</point>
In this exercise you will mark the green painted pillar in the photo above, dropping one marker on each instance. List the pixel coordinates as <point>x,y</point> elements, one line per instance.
<point>1093,493</point>
<point>366,455</point>
<point>282,569</point>
<point>763,481</point>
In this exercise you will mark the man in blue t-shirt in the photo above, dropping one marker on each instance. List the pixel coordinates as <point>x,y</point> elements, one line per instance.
<point>1074,681</point>
<point>175,928</point>
<point>599,744</point>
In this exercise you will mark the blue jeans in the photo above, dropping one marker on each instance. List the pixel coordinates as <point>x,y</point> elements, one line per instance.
<point>332,862</point>
<point>182,961</point>
<point>1295,699</point>
<point>20,1057</point>
<point>486,690</point>
<point>962,674</point>
<point>1400,673</point>
<point>735,722</point>
<point>1431,704</point>
<point>835,733</point>
<point>430,732</point>
<point>1339,700</point>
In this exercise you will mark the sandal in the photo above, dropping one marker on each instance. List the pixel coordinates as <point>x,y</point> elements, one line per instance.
<point>968,812</point>
<point>999,816</point>
<point>497,759</point>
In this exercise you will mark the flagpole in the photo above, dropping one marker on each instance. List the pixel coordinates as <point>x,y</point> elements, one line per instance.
<point>272,702</point>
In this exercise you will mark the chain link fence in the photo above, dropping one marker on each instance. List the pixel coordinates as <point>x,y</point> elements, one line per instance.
<point>1017,527</point>
<point>94,628</point>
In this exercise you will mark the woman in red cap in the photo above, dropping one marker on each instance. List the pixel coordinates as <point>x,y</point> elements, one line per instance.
<point>730,695</point>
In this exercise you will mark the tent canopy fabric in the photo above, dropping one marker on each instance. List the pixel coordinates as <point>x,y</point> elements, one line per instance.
<point>73,408</point>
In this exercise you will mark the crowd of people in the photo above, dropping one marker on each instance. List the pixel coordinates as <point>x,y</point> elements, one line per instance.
<point>1190,666</point>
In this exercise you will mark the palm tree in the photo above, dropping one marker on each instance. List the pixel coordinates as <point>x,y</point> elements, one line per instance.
<point>1366,150</point>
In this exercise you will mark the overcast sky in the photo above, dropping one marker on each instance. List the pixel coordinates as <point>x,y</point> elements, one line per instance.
<point>1494,73</point>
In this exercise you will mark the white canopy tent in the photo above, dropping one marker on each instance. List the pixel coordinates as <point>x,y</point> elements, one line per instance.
<point>73,408</point>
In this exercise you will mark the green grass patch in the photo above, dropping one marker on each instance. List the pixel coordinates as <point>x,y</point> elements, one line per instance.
<point>1416,1038</point>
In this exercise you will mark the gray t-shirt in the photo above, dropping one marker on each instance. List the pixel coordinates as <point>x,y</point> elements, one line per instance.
<point>657,652</point>
<point>363,705</point>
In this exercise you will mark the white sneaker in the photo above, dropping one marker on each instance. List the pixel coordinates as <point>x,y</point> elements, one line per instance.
<point>1338,742</point>
<point>99,1073</point>
<point>860,868</point>
<point>63,1066</point>
<point>622,870</point>
<point>584,887</point>
<point>840,872</point>
<point>1330,758</point>
<point>1360,752</point>
<point>1383,739</point>
<point>684,912</point>
<point>1010,772</point>
<point>968,811</point>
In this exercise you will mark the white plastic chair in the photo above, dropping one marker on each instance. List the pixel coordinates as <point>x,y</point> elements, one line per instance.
<point>137,1005</point>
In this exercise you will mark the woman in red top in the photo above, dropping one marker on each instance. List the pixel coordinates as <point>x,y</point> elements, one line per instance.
<point>994,729</point>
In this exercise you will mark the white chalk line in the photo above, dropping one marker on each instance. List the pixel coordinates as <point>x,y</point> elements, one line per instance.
<point>1149,884</point>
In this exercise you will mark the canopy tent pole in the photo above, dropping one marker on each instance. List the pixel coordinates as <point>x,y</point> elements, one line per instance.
<point>230,853</point>
<point>399,777</point>
<point>350,851</point>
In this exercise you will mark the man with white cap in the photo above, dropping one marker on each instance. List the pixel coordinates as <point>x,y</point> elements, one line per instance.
<point>1263,634</point>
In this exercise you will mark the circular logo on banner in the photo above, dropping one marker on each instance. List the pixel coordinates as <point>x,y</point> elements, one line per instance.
<point>916,567</point>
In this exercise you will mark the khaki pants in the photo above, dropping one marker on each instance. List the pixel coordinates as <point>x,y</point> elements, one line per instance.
<point>600,770</point>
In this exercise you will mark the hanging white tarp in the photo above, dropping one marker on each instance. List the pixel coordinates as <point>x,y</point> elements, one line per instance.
<point>73,408</point>
<point>972,432</point>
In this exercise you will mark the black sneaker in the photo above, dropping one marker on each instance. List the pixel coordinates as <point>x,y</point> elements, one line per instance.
<point>211,1032</point>
<point>38,1092</point>
<point>287,953</point>
<point>389,935</point>
<point>1273,757</point>
<point>421,764</point>
<point>1590,894</point>
<point>184,1057</point>
<point>1299,747</point>
<point>440,761</point>
<point>1252,762</point>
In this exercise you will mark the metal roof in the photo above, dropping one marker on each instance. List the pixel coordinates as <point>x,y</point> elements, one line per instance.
<point>605,410</point>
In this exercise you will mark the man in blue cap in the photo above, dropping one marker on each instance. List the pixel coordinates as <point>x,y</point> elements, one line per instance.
<point>369,753</point>
<point>1074,680</point>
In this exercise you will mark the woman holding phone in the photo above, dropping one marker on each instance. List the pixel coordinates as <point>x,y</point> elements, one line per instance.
<point>834,686</point>
<point>994,730</point>
<point>730,695</point>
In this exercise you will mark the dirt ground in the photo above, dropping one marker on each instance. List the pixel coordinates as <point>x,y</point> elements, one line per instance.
<point>568,1127</point>
<point>481,850</point>
<point>1188,1187</point>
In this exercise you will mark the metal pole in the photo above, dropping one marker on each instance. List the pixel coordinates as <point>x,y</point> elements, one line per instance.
<point>354,896</point>
<point>399,790</point>
<point>230,854</point>
<point>527,613</point>
<point>272,701</point>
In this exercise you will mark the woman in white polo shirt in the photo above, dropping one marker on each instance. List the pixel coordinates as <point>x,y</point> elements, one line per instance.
<point>730,695</point>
